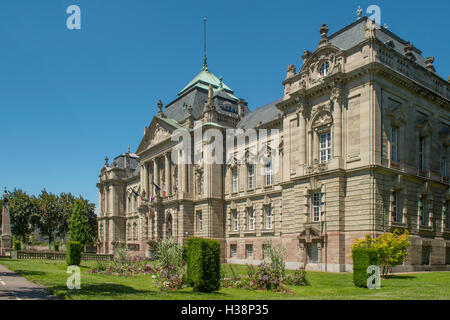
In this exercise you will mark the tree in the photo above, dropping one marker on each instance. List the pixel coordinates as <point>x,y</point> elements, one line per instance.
<point>22,208</point>
<point>391,248</point>
<point>66,203</point>
<point>48,216</point>
<point>79,228</point>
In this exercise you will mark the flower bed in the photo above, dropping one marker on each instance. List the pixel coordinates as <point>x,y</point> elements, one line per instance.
<point>264,277</point>
<point>135,267</point>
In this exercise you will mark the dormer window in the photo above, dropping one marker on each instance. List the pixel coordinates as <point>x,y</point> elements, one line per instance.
<point>324,68</point>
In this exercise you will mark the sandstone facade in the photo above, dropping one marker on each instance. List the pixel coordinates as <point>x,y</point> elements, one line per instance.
<point>364,149</point>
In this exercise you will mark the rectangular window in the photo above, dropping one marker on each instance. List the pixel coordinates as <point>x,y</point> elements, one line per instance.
<point>269,173</point>
<point>395,210</point>
<point>235,220</point>
<point>199,221</point>
<point>447,215</point>
<point>325,147</point>
<point>444,165</point>
<point>265,251</point>
<point>313,253</point>
<point>424,211</point>
<point>426,255</point>
<point>422,159</point>
<point>394,144</point>
<point>251,176</point>
<point>317,207</point>
<point>249,249</point>
<point>269,217</point>
<point>251,219</point>
<point>233,250</point>
<point>235,180</point>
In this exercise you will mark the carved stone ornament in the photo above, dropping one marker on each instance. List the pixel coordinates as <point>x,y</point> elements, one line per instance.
<point>425,126</point>
<point>316,167</point>
<point>323,119</point>
<point>160,134</point>
<point>267,201</point>
<point>397,114</point>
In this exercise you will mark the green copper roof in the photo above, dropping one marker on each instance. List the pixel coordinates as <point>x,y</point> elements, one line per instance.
<point>204,79</point>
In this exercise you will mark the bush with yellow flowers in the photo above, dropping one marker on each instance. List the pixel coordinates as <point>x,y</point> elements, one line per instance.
<point>391,248</point>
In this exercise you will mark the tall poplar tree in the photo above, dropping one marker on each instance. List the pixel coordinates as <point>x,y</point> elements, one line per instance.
<point>79,227</point>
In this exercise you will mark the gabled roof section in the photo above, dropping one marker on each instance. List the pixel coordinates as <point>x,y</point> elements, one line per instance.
<point>159,130</point>
<point>203,80</point>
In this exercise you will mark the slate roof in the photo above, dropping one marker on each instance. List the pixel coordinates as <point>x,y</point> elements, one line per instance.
<point>195,94</point>
<point>263,114</point>
<point>353,34</point>
<point>133,164</point>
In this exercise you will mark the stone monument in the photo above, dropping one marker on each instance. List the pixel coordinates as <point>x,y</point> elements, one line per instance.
<point>6,239</point>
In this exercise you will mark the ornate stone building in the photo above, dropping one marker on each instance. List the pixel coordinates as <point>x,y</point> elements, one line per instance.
<point>364,146</point>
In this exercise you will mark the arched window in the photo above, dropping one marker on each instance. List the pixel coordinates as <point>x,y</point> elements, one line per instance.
<point>324,68</point>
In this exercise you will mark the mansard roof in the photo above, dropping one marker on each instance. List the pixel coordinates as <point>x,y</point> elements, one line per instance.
<point>353,34</point>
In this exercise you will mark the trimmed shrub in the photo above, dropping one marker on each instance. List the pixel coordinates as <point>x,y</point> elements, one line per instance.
<point>73,253</point>
<point>362,259</point>
<point>203,264</point>
<point>17,246</point>
<point>56,247</point>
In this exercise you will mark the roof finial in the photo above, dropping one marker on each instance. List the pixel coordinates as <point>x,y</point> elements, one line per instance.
<point>205,64</point>
<point>160,107</point>
<point>359,12</point>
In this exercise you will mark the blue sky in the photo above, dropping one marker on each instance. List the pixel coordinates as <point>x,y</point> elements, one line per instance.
<point>70,98</point>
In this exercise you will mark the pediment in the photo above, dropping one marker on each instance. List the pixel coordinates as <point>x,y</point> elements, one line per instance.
<point>328,53</point>
<point>310,234</point>
<point>156,133</point>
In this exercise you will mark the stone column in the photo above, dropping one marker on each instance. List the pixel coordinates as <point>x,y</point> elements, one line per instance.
<point>6,239</point>
<point>150,179</point>
<point>337,115</point>
<point>302,148</point>
<point>145,186</point>
<point>184,169</point>
<point>168,174</point>
<point>156,174</point>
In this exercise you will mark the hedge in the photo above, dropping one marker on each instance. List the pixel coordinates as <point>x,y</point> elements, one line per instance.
<point>203,264</point>
<point>362,259</point>
<point>73,253</point>
<point>17,245</point>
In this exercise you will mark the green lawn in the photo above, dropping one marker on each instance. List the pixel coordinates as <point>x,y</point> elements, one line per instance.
<point>323,285</point>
